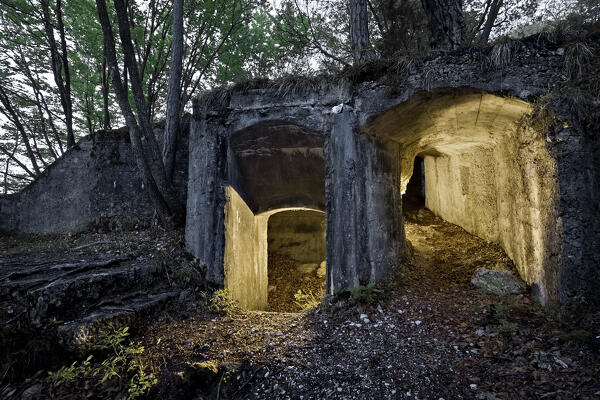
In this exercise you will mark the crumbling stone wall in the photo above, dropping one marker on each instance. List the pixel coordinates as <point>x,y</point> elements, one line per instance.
<point>362,119</point>
<point>95,185</point>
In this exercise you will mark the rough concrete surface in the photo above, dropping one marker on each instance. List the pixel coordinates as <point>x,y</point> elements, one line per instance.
<point>347,146</point>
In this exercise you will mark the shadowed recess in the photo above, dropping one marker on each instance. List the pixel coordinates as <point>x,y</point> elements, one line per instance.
<point>281,165</point>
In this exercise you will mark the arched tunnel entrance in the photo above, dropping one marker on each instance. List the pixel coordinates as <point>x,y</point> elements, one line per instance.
<point>477,160</point>
<point>274,215</point>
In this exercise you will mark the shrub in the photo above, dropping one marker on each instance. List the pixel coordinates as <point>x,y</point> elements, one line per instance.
<point>221,302</point>
<point>123,371</point>
<point>307,301</point>
<point>363,295</point>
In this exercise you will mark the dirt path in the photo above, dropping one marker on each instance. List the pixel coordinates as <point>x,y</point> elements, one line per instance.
<point>427,334</point>
<point>434,337</point>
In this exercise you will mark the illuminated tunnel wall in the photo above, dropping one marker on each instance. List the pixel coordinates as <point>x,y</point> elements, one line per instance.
<point>485,171</point>
<point>533,190</point>
<point>274,167</point>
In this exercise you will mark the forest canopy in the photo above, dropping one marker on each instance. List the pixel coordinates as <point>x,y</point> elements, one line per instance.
<point>55,76</point>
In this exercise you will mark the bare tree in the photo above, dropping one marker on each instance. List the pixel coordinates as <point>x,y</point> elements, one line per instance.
<point>151,168</point>
<point>174,92</point>
<point>60,64</point>
<point>359,32</point>
<point>445,22</point>
<point>11,114</point>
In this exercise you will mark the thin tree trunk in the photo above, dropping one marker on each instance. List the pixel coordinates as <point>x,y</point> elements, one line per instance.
<point>445,22</point>
<point>156,197</point>
<point>490,20</point>
<point>58,63</point>
<point>20,128</point>
<point>154,154</point>
<point>359,32</point>
<point>65,65</point>
<point>106,124</point>
<point>173,95</point>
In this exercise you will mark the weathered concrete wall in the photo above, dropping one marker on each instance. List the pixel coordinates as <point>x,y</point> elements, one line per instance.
<point>299,235</point>
<point>364,219</point>
<point>95,185</point>
<point>506,194</point>
<point>460,106</point>
<point>245,258</point>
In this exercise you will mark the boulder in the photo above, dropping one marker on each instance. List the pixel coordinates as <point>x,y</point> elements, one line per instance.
<point>497,282</point>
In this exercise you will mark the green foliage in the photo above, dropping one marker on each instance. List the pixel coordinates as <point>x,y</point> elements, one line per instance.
<point>71,372</point>
<point>123,371</point>
<point>307,300</point>
<point>507,326</point>
<point>221,302</point>
<point>363,295</point>
<point>503,312</point>
<point>577,336</point>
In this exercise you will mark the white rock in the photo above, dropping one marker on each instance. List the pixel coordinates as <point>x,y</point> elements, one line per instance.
<point>337,109</point>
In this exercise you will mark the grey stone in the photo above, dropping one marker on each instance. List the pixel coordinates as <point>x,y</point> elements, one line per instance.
<point>497,282</point>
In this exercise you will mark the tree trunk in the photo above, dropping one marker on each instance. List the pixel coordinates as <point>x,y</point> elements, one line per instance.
<point>162,208</point>
<point>65,64</point>
<point>20,128</point>
<point>58,64</point>
<point>359,32</point>
<point>106,123</point>
<point>174,92</point>
<point>445,22</point>
<point>154,155</point>
<point>490,20</point>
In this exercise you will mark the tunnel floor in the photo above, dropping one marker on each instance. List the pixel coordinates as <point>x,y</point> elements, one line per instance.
<point>445,255</point>
<point>294,286</point>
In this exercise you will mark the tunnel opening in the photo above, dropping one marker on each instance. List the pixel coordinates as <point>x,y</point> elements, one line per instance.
<point>486,169</point>
<point>274,204</point>
<point>413,199</point>
<point>296,266</point>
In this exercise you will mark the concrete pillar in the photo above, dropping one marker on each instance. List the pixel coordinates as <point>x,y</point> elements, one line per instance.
<point>204,231</point>
<point>363,206</point>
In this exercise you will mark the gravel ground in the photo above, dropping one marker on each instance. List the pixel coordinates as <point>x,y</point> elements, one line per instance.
<point>424,334</point>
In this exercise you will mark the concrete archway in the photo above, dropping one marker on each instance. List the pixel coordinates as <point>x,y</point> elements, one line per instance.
<point>273,166</point>
<point>486,169</point>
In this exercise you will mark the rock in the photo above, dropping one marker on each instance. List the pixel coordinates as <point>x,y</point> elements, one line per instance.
<point>497,282</point>
<point>307,268</point>
<point>322,270</point>
<point>479,332</point>
<point>32,391</point>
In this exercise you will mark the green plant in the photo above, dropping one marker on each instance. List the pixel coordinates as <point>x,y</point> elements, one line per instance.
<point>221,302</point>
<point>507,326</point>
<point>123,370</point>
<point>308,300</point>
<point>577,336</point>
<point>71,372</point>
<point>363,294</point>
<point>502,312</point>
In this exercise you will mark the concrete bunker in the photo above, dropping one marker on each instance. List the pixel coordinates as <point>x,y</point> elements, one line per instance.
<point>486,168</point>
<point>276,176</point>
